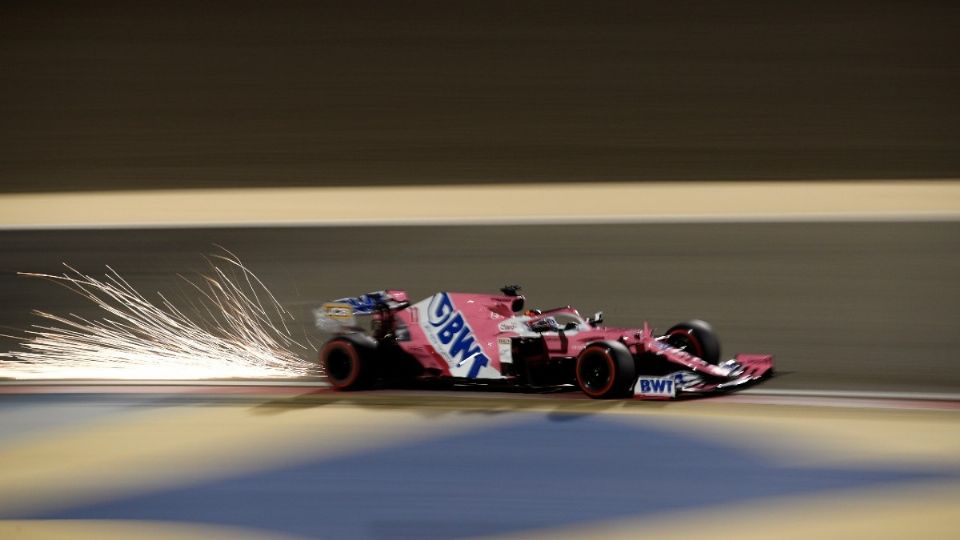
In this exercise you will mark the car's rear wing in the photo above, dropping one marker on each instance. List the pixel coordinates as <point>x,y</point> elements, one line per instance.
<point>340,315</point>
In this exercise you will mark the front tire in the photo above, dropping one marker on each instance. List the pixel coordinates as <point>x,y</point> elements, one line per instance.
<point>605,370</point>
<point>697,338</point>
<point>347,365</point>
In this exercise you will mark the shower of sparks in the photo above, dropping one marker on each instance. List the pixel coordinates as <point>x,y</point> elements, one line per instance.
<point>239,330</point>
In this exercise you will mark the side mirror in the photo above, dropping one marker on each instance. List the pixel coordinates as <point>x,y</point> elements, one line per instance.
<point>596,319</point>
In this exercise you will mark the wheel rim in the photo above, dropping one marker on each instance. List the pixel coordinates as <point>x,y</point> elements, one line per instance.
<point>595,372</point>
<point>339,364</point>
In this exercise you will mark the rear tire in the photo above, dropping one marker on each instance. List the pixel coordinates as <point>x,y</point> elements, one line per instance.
<point>347,365</point>
<point>697,338</point>
<point>605,370</point>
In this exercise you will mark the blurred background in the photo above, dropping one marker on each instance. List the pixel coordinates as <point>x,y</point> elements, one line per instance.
<point>100,96</point>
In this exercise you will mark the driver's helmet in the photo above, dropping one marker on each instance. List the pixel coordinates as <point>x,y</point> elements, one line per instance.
<point>546,324</point>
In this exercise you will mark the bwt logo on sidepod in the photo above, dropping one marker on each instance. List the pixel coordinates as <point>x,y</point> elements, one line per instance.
<point>452,336</point>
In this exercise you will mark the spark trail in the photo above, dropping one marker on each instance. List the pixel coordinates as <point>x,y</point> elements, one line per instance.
<point>239,330</point>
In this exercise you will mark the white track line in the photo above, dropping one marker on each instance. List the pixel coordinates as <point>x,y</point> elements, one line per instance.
<point>505,204</point>
<point>851,394</point>
<point>903,217</point>
<point>760,392</point>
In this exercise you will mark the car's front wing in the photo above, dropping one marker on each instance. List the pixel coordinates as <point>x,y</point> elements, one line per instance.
<point>740,371</point>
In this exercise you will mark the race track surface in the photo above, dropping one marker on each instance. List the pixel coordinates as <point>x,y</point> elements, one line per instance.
<point>851,306</point>
<point>302,463</point>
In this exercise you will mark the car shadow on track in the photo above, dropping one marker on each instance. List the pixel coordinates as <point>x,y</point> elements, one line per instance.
<point>559,406</point>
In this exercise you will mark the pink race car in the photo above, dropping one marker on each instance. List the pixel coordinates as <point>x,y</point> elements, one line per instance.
<point>466,337</point>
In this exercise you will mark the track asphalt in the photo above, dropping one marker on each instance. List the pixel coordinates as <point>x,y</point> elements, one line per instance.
<point>394,465</point>
<point>849,306</point>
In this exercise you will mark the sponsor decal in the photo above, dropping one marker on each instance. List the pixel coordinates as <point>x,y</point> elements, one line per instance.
<point>333,315</point>
<point>452,337</point>
<point>663,387</point>
<point>508,325</point>
<point>667,386</point>
<point>340,312</point>
<point>505,349</point>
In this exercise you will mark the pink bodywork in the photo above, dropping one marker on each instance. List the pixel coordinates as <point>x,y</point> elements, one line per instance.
<point>468,336</point>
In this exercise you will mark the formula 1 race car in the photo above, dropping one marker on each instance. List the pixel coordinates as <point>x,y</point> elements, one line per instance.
<point>465,337</point>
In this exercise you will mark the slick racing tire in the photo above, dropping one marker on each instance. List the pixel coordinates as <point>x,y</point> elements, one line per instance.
<point>697,338</point>
<point>347,365</point>
<point>605,370</point>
